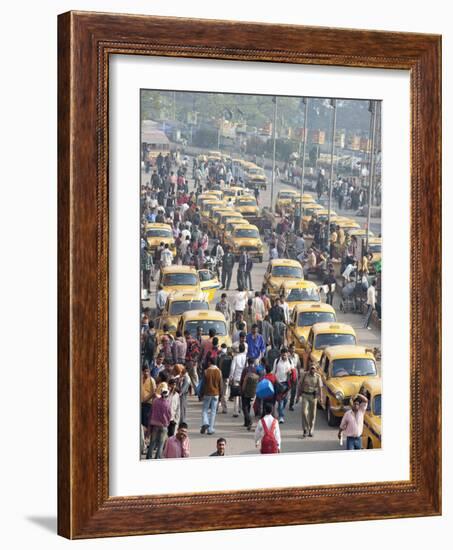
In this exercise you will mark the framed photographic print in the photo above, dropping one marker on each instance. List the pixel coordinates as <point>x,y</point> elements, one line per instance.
<point>249,275</point>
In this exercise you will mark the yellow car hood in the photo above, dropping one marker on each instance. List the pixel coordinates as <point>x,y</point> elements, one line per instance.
<point>348,385</point>
<point>373,423</point>
<point>238,242</point>
<point>154,242</point>
<point>279,281</point>
<point>248,209</point>
<point>182,288</point>
<point>302,332</point>
<point>316,354</point>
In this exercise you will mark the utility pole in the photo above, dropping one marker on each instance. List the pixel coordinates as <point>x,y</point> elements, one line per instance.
<point>274,130</point>
<point>174,106</point>
<point>301,206</point>
<point>333,103</point>
<point>373,110</point>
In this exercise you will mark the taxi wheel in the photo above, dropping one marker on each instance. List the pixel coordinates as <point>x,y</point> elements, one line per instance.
<point>332,420</point>
<point>369,444</point>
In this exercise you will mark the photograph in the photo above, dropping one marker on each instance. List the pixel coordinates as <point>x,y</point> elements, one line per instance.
<point>260,274</point>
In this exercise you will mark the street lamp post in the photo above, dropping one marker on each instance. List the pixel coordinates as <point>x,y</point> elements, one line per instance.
<point>274,128</point>
<point>372,108</point>
<point>333,103</point>
<point>301,206</point>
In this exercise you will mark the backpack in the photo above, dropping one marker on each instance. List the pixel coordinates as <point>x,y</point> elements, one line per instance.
<point>251,382</point>
<point>265,389</point>
<point>269,443</point>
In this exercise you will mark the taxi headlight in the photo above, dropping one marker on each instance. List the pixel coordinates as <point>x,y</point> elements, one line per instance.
<point>339,395</point>
<point>302,340</point>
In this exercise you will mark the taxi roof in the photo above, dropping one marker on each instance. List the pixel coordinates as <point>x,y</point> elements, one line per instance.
<point>300,283</point>
<point>178,269</point>
<point>187,296</point>
<point>375,240</point>
<point>373,385</point>
<point>332,328</point>
<point>303,307</point>
<point>151,225</point>
<point>285,262</point>
<point>346,352</point>
<point>245,197</point>
<point>196,314</point>
<point>290,191</point>
<point>246,226</point>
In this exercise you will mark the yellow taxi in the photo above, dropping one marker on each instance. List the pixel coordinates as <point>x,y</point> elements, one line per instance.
<point>246,237</point>
<point>286,200</point>
<point>309,211</point>
<point>323,215</point>
<point>254,176</point>
<point>302,318</point>
<point>157,233</point>
<point>209,283</point>
<point>231,217</point>
<point>217,193</point>
<point>177,303</point>
<point>214,156</point>
<point>206,320</point>
<point>179,277</point>
<point>247,206</point>
<point>230,225</point>
<point>299,291</point>
<point>215,215</point>
<point>343,370</point>
<point>371,436</point>
<point>347,224</point>
<point>235,191</point>
<point>207,208</point>
<point>375,247</point>
<point>323,335</point>
<point>280,271</point>
<point>358,232</point>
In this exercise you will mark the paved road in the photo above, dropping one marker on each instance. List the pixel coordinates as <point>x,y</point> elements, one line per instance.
<point>239,440</point>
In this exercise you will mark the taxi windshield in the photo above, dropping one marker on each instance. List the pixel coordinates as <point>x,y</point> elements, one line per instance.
<point>180,279</point>
<point>285,195</point>
<point>178,308</point>
<point>377,405</point>
<point>158,233</point>
<point>354,367</point>
<point>309,318</point>
<point>303,295</point>
<point>206,325</point>
<point>334,339</point>
<point>249,202</point>
<point>247,233</point>
<point>375,248</point>
<point>287,271</point>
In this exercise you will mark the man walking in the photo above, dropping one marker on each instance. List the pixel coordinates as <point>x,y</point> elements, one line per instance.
<point>255,343</point>
<point>282,370</point>
<point>310,390</point>
<point>159,421</point>
<point>371,303</point>
<point>177,446</point>
<point>295,360</point>
<point>227,268</point>
<point>242,268</point>
<point>352,423</point>
<point>211,394</point>
<point>224,307</point>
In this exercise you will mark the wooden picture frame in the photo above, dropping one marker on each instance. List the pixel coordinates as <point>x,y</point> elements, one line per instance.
<point>85,41</point>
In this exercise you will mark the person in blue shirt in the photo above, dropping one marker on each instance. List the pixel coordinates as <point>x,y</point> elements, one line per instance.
<point>255,343</point>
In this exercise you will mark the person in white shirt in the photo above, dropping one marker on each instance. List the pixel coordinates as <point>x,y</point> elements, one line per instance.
<point>166,257</point>
<point>348,271</point>
<point>237,366</point>
<point>269,420</point>
<point>185,233</point>
<point>240,301</point>
<point>161,299</point>
<point>371,303</point>
<point>282,370</point>
<point>284,305</point>
<point>258,308</point>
